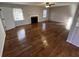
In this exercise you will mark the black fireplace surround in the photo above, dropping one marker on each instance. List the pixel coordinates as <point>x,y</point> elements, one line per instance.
<point>34,19</point>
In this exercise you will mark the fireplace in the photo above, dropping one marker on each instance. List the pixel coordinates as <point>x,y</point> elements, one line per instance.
<point>34,19</point>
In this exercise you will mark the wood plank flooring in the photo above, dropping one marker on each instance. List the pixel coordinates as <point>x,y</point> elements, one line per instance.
<point>45,39</point>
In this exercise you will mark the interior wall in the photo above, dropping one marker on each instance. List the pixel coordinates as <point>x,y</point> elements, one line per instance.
<point>60,14</point>
<point>28,11</point>
<point>74,30</point>
<point>7,15</point>
<point>2,38</point>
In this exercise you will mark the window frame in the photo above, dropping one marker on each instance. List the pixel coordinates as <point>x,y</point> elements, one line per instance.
<point>19,15</point>
<point>45,12</point>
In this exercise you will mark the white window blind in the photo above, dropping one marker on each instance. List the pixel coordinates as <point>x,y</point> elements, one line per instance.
<point>18,14</point>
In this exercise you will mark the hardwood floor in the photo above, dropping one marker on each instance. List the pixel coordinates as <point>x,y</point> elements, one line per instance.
<point>42,39</point>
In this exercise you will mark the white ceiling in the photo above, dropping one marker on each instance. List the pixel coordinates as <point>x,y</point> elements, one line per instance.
<point>40,3</point>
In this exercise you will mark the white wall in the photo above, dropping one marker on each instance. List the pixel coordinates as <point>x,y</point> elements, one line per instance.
<point>62,13</point>
<point>73,34</point>
<point>7,15</point>
<point>29,11</point>
<point>77,24</point>
<point>2,38</point>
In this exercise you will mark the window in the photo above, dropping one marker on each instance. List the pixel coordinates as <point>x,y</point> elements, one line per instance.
<point>18,14</point>
<point>45,13</point>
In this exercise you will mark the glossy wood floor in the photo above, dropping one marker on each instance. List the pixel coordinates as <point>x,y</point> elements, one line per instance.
<point>42,39</point>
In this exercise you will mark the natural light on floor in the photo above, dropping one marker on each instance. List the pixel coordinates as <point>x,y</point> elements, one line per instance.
<point>45,43</point>
<point>21,34</point>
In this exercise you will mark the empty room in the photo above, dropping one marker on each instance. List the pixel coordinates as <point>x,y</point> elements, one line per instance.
<point>39,29</point>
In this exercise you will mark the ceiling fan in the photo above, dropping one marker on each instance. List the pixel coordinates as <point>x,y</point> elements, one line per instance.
<point>48,4</point>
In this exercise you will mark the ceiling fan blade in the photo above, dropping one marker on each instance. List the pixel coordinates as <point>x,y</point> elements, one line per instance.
<point>52,4</point>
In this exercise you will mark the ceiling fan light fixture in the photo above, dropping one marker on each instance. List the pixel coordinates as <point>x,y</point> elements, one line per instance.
<point>47,6</point>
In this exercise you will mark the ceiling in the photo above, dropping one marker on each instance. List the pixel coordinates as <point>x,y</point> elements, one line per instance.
<point>40,3</point>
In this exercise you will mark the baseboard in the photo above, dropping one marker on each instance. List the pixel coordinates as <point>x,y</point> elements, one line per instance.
<point>59,23</point>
